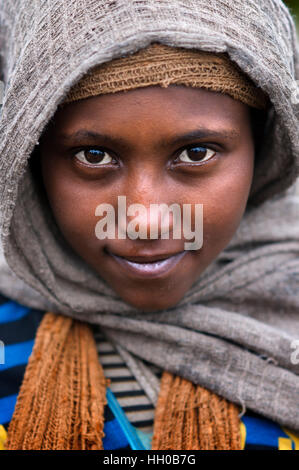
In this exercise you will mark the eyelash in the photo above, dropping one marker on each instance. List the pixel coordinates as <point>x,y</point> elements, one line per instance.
<point>188,148</point>
<point>194,146</point>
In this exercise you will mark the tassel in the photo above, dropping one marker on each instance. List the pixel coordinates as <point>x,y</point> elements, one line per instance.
<point>60,405</point>
<point>189,417</point>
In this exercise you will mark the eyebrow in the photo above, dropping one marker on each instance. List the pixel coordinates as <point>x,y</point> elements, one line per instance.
<point>198,133</point>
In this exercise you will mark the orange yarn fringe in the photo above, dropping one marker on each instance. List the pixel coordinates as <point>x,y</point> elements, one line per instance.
<point>61,401</point>
<point>190,417</point>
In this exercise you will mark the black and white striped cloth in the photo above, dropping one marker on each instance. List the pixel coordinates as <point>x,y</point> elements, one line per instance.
<point>127,385</point>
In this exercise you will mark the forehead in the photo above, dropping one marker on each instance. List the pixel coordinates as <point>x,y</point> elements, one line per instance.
<point>151,113</point>
<point>175,102</point>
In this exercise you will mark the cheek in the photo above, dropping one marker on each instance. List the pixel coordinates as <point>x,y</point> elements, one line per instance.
<point>225,203</point>
<point>73,204</point>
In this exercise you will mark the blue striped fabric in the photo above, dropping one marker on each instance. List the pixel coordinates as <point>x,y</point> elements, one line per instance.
<point>7,406</point>
<point>11,311</point>
<point>18,326</point>
<point>16,354</point>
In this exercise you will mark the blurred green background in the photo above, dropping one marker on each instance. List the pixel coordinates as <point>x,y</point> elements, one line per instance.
<point>294,8</point>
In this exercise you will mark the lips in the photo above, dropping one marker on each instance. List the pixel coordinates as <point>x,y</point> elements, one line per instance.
<point>148,266</point>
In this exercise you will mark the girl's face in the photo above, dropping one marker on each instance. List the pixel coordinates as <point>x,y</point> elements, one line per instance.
<point>152,145</point>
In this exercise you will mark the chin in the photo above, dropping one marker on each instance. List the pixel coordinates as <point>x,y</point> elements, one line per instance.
<point>150,304</point>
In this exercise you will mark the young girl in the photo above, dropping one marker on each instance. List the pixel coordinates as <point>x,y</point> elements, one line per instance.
<point>110,104</point>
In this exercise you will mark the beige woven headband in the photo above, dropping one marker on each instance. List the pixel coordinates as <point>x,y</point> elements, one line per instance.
<point>163,65</point>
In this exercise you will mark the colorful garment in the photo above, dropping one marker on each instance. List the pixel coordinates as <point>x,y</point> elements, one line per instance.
<point>128,414</point>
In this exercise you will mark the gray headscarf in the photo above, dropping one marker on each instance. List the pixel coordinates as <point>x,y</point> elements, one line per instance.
<point>235,330</point>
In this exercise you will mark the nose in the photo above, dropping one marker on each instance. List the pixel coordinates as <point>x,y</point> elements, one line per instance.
<point>145,211</point>
<point>156,220</point>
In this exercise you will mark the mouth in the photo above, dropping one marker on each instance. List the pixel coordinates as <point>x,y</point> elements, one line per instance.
<point>148,267</point>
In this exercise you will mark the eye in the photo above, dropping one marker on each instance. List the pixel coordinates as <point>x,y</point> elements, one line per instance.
<point>93,157</point>
<point>196,154</point>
